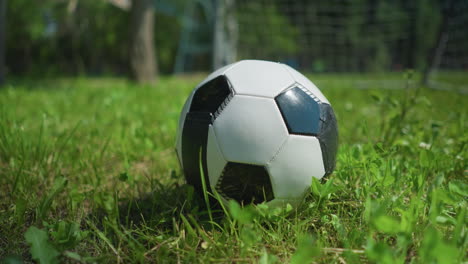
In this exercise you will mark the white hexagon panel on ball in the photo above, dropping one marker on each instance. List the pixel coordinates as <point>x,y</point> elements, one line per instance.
<point>292,169</point>
<point>259,78</point>
<point>250,130</point>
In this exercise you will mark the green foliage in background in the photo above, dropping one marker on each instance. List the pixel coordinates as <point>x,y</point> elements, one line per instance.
<point>260,38</point>
<point>64,37</point>
<point>366,35</point>
<point>91,37</point>
<point>88,174</point>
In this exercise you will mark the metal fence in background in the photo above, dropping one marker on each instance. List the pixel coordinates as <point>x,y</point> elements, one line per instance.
<point>339,36</point>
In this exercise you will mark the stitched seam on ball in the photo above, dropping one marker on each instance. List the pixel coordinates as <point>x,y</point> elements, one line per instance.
<point>295,84</point>
<point>310,94</point>
<point>218,185</point>
<point>223,105</point>
<point>301,86</point>
<point>279,150</point>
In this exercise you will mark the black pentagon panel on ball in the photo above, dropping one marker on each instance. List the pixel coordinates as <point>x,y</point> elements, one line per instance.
<point>194,138</point>
<point>300,112</point>
<point>328,137</point>
<point>245,183</point>
<point>210,96</point>
<point>208,101</point>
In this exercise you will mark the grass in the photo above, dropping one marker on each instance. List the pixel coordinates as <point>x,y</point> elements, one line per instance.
<point>88,174</point>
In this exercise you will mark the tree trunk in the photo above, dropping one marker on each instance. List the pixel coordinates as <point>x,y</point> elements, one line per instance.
<point>3,4</point>
<point>142,54</point>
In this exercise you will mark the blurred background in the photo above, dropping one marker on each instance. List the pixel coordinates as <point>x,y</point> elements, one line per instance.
<point>93,90</point>
<point>142,39</point>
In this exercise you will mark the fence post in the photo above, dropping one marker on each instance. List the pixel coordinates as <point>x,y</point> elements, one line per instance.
<point>225,33</point>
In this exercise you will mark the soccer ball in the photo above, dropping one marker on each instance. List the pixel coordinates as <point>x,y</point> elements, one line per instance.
<point>257,131</point>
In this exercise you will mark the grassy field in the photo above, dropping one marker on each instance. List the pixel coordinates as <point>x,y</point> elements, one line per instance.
<point>88,174</point>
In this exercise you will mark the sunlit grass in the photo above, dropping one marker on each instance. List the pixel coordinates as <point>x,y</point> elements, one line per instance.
<point>90,163</point>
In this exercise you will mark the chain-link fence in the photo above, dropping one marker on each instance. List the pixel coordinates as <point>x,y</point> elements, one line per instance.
<point>343,36</point>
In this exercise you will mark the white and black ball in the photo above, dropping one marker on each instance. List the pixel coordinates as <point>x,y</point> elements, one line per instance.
<point>259,131</point>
